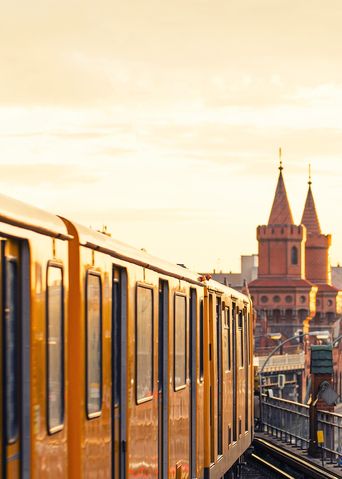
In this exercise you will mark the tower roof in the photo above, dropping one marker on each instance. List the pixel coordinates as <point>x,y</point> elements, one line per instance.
<point>310,217</point>
<point>281,211</point>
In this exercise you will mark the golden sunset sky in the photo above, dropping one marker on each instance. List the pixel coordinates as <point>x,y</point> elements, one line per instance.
<point>162,119</point>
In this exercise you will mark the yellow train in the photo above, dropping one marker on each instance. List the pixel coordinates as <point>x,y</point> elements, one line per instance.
<point>115,364</point>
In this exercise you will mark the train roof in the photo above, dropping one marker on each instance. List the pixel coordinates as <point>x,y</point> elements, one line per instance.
<point>101,242</point>
<point>216,286</point>
<point>20,214</point>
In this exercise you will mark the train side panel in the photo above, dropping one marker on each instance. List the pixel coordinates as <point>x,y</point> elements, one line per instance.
<point>142,374</point>
<point>34,278</point>
<point>90,359</point>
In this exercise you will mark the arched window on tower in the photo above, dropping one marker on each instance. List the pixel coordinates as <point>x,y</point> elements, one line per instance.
<point>294,255</point>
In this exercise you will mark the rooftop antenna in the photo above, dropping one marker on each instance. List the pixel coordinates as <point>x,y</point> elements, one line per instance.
<point>310,181</point>
<point>280,161</point>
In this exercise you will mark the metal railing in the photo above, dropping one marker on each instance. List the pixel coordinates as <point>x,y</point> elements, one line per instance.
<point>286,420</point>
<point>289,422</point>
<point>331,425</point>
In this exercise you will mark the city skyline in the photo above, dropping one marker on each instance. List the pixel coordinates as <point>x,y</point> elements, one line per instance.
<point>163,121</point>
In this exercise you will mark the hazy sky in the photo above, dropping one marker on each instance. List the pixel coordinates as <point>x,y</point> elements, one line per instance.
<point>162,119</point>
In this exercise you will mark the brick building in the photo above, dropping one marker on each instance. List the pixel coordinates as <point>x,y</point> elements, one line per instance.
<point>293,290</point>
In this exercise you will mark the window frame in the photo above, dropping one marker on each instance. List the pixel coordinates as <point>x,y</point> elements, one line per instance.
<point>182,386</point>
<point>60,427</point>
<point>241,336</point>
<point>227,329</point>
<point>201,341</point>
<point>11,260</point>
<point>146,398</point>
<point>294,255</point>
<point>95,414</point>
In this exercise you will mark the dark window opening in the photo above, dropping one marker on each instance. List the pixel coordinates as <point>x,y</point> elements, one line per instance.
<point>234,364</point>
<point>11,350</point>
<point>201,343</point>
<point>246,341</point>
<point>294,255</point>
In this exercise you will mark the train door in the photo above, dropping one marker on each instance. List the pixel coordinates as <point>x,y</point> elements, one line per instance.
<point>212,385</point>
<point>247,364</point>
<point>163,372</point>
<point>119,373</point>
<point>193,381</point>
<point>14,361</point>
<point>2,243</point>
<point>219,374</point>
<point>234,371</point>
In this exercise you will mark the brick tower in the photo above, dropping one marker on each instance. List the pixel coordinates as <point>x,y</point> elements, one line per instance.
<point>283,297</point>
<point>317,266</point>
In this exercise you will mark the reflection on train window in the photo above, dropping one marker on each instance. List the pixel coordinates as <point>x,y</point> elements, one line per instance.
<point>144,338</point>
<point>11,326</point>
<point>180,342</point>
<point>94,346</point>
<point>248,342</point>
<point>246,347</point>
<point>116,311</point>
<point>55,349</point>
<point>201,343</point>
<point>241,338</point>
<point>227,336</point>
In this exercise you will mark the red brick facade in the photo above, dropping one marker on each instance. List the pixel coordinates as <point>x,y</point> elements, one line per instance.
<point>293,290</point>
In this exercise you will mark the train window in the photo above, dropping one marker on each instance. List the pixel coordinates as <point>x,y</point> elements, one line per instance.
<point>227,335</point>
<point>55,348</point>
<point>201,343</point>
<point>11,325</point>
<point>144,344</point>
<point>248,341</point>
<point>246,346</point>
<point>240,325</point>
<point>94,344</point>
<point>234,368</point>
<point>116,312</point>
<point>180,342</point>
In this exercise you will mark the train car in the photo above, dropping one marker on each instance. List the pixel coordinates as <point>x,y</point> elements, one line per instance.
<point>115,363</point>
<point>134,346</point>
<point>33,341</point>
<point>228,378</point>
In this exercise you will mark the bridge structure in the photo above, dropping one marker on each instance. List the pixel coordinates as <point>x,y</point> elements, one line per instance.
<point>282,376</point>
<point>313,425</point>
<point>288,424</point>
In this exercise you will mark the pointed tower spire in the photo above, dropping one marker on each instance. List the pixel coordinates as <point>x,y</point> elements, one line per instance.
<point>281,211</point>
<point>310,217</point>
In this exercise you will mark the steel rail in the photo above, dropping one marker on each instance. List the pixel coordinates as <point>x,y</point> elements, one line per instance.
<point>312,470</point>
<point>270,466</point>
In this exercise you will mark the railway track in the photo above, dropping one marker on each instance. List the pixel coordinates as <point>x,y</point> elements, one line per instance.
<point>258,468</point>
<point>282,463</point>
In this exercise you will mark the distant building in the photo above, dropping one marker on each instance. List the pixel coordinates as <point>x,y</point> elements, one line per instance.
<point>293,290</point>
<point>249,272</point>
<point>336,276</point>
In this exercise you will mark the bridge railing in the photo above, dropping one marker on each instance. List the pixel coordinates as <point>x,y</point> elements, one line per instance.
<point>331,425</point>
<point>281,362</point>
<point>289,422</point>
<point>286,420</point>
